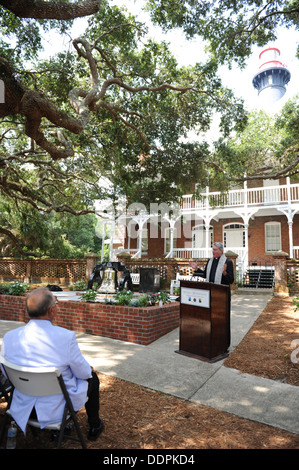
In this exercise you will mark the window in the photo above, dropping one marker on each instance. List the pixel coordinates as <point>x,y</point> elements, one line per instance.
<point>272,237</point>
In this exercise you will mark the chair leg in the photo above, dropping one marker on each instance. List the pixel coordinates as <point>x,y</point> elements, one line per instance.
<point>8,398</point>
<point>79,432</point>
<point>62,428</point>
<point>70,408</point>
<point>3,428</point>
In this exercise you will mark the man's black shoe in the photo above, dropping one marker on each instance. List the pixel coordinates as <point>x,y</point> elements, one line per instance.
<point>95,431</point>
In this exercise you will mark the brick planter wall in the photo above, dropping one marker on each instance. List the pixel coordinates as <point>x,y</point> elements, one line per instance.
<point>132,324</point>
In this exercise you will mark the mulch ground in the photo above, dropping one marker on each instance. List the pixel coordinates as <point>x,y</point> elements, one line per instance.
<point>139,418</point>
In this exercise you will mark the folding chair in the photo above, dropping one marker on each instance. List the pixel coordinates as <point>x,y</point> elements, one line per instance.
<point>43,381</point>
<point>5,391</point>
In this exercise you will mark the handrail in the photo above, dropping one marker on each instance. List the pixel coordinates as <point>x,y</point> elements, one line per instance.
<point>277,194</point>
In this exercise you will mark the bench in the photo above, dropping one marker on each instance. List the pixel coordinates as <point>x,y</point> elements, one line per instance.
<point>135,278</point>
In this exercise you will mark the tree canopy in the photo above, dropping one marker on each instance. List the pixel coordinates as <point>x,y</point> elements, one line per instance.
<point>266,148</point>
<point>231,27</point>
<point>110,115</point>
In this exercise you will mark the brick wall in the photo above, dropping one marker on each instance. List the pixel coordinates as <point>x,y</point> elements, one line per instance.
<point>132,324</point>
<point>256,233</point>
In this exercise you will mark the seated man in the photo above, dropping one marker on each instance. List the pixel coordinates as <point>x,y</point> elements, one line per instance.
<point>40,344</point>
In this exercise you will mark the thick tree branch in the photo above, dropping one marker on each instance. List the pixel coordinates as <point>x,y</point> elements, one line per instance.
<point>58,10</point>
<point>7,233</point>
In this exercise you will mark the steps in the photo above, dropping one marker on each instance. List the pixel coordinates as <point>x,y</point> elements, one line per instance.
<point>259,278</point>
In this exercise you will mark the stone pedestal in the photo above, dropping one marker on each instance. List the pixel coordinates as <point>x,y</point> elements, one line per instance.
<point>281,287</point>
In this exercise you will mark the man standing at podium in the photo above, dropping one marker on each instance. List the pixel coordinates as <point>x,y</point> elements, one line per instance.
<point>219,270</point>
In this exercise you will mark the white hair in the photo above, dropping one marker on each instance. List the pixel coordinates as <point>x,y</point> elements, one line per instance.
<point>220,245</point>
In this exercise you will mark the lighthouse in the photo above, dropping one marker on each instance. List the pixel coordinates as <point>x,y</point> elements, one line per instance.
<point>272,77</point>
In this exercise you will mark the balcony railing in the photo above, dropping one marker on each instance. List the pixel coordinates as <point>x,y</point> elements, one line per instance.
<point>269,195</point>
<point>202,253</point>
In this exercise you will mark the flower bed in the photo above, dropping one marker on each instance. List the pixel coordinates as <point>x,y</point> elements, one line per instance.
<point>140,325</point>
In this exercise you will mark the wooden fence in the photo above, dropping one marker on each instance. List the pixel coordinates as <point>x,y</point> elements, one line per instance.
<point>58,271</point>
<point>68,271</point>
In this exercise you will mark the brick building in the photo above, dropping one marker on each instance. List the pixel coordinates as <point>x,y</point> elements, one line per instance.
<point>254,221</point>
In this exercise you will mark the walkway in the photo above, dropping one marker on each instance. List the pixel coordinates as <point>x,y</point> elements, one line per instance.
<point>160,368</point>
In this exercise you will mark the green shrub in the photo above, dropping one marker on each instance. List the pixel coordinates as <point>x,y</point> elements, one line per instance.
<point>164,296</point>
<point>176,291</point>
<point>80,285</point>
<point>143,301</point>
<point>4,288</point>
<point>89,296</point>
<point>123,297</point>
<point>16,288</point>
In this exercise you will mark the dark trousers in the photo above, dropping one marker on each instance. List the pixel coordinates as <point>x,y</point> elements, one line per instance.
<point>92,405</point>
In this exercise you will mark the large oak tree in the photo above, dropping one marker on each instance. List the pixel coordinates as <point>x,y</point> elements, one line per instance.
<point>114,106</point>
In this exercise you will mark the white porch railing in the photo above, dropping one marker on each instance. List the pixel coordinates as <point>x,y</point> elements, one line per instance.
<point>189,253</point>
<point>280,194</point>
<point>201,253</point>
<point>296,252</point>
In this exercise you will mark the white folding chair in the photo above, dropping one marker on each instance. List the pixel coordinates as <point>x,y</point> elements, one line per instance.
<point>43,381</point>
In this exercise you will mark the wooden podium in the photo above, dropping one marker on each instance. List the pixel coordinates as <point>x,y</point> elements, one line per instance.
<point>204,320</point>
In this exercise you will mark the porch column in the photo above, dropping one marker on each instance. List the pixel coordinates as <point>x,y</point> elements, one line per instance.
<point>207,220</point>
<point>246,225</point>
<point>112,226</point>
<point>141,222</point>
<point>103,241</point>
<point>246,245</point>
<point>171,223</point>
<point>171,229</point>
<point>290,224</point>
<point>290,219</point>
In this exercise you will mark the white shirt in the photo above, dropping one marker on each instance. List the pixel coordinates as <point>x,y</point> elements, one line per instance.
<point>41,344</point>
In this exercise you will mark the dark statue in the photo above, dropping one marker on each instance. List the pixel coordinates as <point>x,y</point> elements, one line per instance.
<point>97,275</point>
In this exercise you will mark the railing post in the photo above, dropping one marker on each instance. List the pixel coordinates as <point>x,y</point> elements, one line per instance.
<point>91,261</point>
<point>233,257</point>
<point>27,277</point>
<point>280,287</point>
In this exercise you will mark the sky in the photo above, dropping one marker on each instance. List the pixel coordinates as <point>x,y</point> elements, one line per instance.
<point>189,52</point>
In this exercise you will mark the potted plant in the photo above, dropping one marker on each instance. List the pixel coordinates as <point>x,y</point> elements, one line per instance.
<point>163,298</point>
